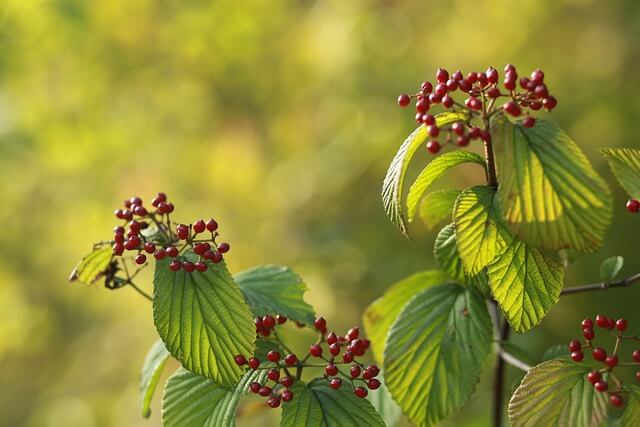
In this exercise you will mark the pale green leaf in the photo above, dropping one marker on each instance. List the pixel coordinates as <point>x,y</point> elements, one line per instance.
<point>557,394</point>
<point>392,187</point>
<point>435,351</point>
<point>274,289</point>
<point>154,362</point>
<point>93,266</point>
<point>625,165</point>
<point>384,404</point>
<point>446,254</point>
<point>203,320</point>
<point>480,234</point>
<point>526,284</point>
<point>381,314</point>
<point>550,194</point>
<point>631,413</point>
<point>610,268</point>
<point>434,170</point>
<point>318,405</point>
<point>437,207</point>
<point>191,400</point>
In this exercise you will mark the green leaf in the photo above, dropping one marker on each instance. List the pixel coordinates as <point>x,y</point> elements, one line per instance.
<point>381,314</point>
<point>93,266</point>
<point>203,320</point>
<point>558,351</point>
<point>447,256</point>
<point>551,196</point>
<point>610,268</point>
<point>385,406</point>
<point>154,362</point>
<point>631,413</point>
<point>434,170</point>
<point>480,233</point>
<point>435,351</point>
<point>526,284</point>
<point>557,393</point>
<point>191,400</point>
<point>437,207</point>
<point>625,165</point>
<point>317,405</point>
<point>274,289</point>
<point>394,180</point>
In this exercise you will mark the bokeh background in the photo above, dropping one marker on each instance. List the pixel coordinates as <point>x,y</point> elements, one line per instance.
<point>279,119</point>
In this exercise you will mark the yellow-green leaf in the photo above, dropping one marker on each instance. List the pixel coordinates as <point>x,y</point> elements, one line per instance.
<point>437,207</point>
<point>631,413</point>
<point>625,165</point>
<point>93,266</point>
<point>151,370</point>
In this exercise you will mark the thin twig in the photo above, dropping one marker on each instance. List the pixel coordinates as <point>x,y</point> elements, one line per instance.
<point>513,361</point>
<point>140,291</point>
<point>602,286</point>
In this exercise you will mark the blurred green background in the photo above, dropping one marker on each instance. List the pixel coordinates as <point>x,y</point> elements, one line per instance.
<point>279,119</point>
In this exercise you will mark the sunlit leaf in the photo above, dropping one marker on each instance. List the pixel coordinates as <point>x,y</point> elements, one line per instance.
<point>274,289</point>
<point>625,164</point>
<point>151,370</point>
<point>203,320</point>
<point>631,413</point>
<point>93,266</point>
<point>557,393</point>
<point>480,234</point>
<point>526,284</point>
<point>393,182</point>
<point>381,314</point>
<point>318,405</point>
<point>610,268</point>
<point>384,404</point>
<point>550,195</point>
<point>435,351</point>
<point>191,400</point>
<point>437,207</point>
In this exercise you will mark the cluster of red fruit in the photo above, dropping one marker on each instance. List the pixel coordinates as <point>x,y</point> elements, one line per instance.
<point>600,377</point>
<point>483,90</point>
<point>351,346</point>
<point>130,237</point>
<point>633,206</point>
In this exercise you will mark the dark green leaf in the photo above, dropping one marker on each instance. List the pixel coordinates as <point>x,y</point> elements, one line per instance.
<point>151,370</point>
<point>381,314</point>
<point>558,351</point>
<point>550,195</point>
<point>557,393</point>
<point>610,268</point>
<point>625,164</point>
<point>435,351</point>
<point>437,207</point>
<point>203,320</point>
<point>317,405</point>
<point>274,289</point>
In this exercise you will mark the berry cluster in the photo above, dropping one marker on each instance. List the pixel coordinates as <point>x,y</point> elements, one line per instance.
<point>600,378</point>
<point>339,360</point>
<point>633,206</point>
<point>165,241</point>
<point>483,90</point>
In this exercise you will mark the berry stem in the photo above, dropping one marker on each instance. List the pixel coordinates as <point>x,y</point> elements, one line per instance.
<point>602,286</point>
<point>129,280</point>
<point>492,179</point>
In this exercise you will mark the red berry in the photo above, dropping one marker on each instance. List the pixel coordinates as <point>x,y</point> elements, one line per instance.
<point>118,249</point>
<point>332,338</point>
<point>132,243</point>
<point>529,122</point>
<point>549,103</point>
<point>334,349</point>
<point>587,323</point>
<point>601,386</point>
<point>447,101</point>
<point>273,374</point>
<point>452,84</point>
<point>621,324</point>
<point>212,225</point>
<point>240,360</point>
<point>188,266</point>
<point>512,108</point>
<point>286,381</point>
<point>433,146</point>
<point>264,391</point>
<point>636,356</point>
<point>280,319</point>
<point>616,399</point>
<point>321,325</point>
<point>422,106</point>
<point>373,384</point>
<point>428,119</point>
<point>273,402</point>
<point>182,231</point>
<point>588,334</point>
<point>541,91</point>
<point>223,248</point>
<point>464,85</point>
<point>175,265</point>
<point>140,211</point>
<point>574,345</point>
<point>172,251</point>
<point>472,77</point>
<point>482,79</point>
<point>254,363</point>
<point>434,98</point>
<point>315,350</point>
<point>433,130</point>
<point>273,356</point>
<point>633,205</point>
<point>458,128</point>
<point>611,361</point>
<point>360,392</point>
<point>201,266</point>
<point>141,259</point>
<point>599,354</point>
<point>441,89</point>
<point>255,387</point>
<point>374,370</point>
<point>577,356</point>
<point>331,369</point>
<point>404,100</point>
<point>335,383</point>
<point>287,395</point>
<point>355,371</point>
<point>290,359</point>
<point>353,333</point>
<point>473,103</point>
<point>462,141</point>
<point>509,67</point>
<point>594,376</point>
<point>610,323</point>
<point>347,357</point>
<point>426,87</point>
<point>492,75</point>
<point>537,76</point>
<point>494,92</point>
<point>601,320</point>
<point>199,226</point>
<point>216,258</point>
<point>442,75</point>
<point>268,321</point>
<point>149,247</point>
